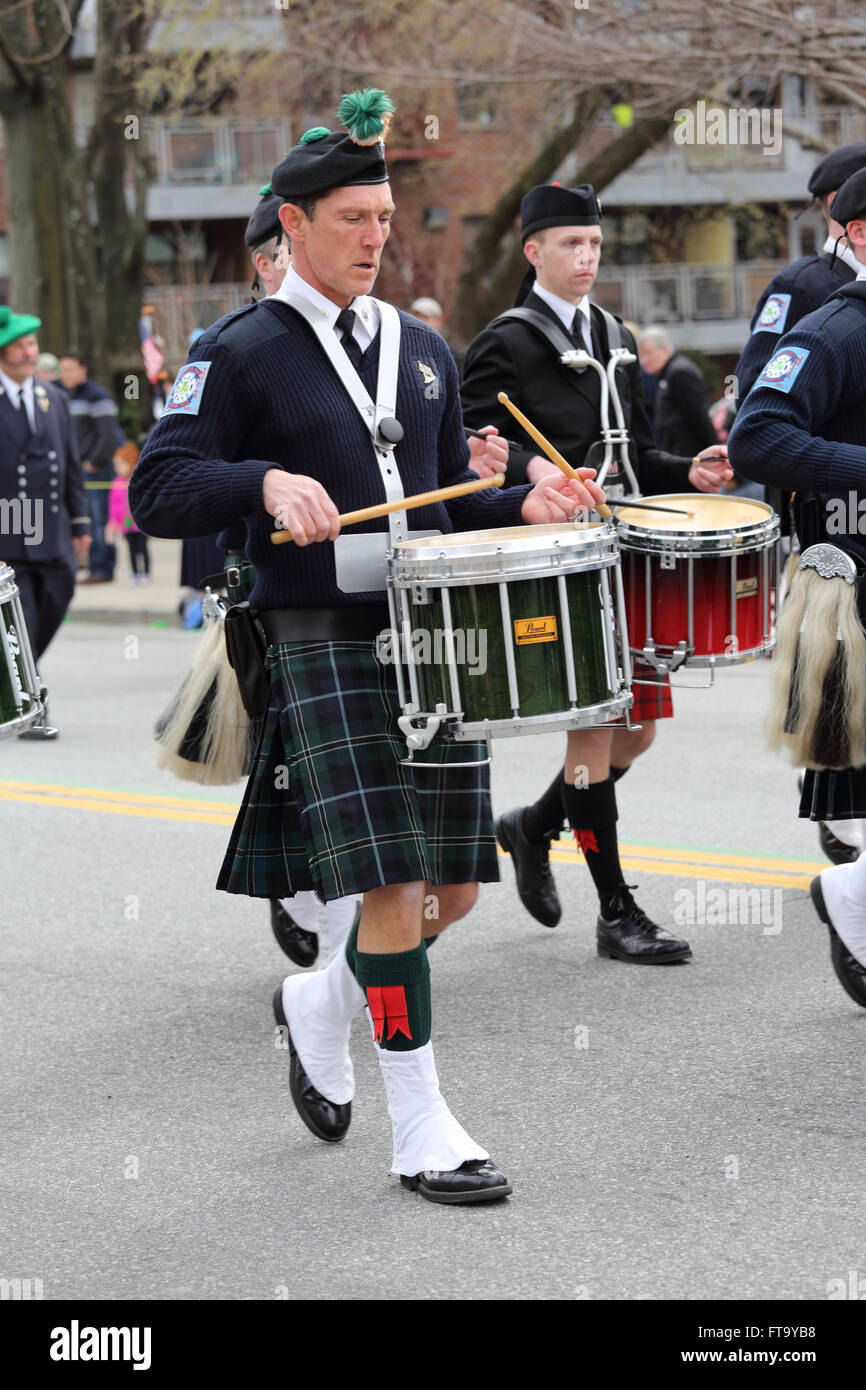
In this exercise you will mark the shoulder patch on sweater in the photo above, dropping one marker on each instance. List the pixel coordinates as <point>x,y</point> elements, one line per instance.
<point>782,370</point>
<point>774,314</point>
<point>186,394</point>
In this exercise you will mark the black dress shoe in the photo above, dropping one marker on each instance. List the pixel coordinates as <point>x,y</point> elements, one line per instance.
<point>327,1120</point>
<point>835,849</point>
<point>624,932</point>
<point>474,1181</point>
<point>300,946</point>
<point>532,866</point>
<point>849,972</point>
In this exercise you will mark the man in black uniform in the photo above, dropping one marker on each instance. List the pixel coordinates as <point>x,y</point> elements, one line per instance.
<point>40,482</point>
<point>798,290</point>
<point>267,242</point>
<point>803,427</point>
<point>561,231</point>
<point>805,284</point>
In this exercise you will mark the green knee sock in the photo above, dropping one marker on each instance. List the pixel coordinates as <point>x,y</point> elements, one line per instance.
<point>398,994</point>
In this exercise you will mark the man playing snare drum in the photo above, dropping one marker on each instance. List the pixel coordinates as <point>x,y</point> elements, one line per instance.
<point>561,230</point>
<point>279,420</point>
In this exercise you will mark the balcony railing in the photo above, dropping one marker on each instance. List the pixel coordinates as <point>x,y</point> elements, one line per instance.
<point>216,152</point>
<point>836,125</point>
<point>179,309</point>
<point>675,294</point>
<point>683,293</point>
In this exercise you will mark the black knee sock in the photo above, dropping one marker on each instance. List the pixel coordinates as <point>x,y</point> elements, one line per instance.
<point>617,772</point>
<point>544,818</point>
<point>592,816</point>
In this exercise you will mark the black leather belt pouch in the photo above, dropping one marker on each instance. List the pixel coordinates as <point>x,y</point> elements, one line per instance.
<point>245,646</point>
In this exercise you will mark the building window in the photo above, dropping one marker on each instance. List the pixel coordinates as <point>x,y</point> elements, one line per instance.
<point>479,107</point>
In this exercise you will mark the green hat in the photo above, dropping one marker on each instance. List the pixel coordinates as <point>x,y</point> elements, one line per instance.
<point>14,326</point>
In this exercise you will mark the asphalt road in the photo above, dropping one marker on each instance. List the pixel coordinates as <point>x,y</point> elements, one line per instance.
<point>679,1133</point>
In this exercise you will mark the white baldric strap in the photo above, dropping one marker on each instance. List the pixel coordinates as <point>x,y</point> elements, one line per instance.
<point>371,412</point>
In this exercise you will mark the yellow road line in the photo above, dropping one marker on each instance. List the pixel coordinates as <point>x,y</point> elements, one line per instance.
<point>81,803</point>
<point>101,794</point>
<point>660,860</point>
<point>759,862</point>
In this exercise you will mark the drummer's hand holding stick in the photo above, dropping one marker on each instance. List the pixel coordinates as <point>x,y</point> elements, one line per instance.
<point>488,452</point>
<point>301,506</point>
<point>710,470</point>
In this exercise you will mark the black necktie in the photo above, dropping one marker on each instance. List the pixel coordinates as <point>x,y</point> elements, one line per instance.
<point>577,330</point>
<point>346,324</point>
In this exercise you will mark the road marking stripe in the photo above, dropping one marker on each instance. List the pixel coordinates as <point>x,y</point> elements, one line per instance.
<point>120,795</point>
<point>661,860</point>
<point>149,812</point>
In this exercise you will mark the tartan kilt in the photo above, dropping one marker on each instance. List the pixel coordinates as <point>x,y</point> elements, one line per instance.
<point>329,805</point>
<point>834,795</point>
<point>650,701</point>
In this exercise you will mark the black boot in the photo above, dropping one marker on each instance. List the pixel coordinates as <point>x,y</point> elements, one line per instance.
<point>624,932</point>
<point>532,866</point>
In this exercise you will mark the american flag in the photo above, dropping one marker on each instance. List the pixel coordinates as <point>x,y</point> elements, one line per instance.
<point>153,358</point>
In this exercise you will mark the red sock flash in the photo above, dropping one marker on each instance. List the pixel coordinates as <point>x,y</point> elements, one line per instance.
<point>388,1002</point>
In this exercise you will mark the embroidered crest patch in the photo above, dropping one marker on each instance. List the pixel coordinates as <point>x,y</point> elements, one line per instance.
<point>186,394</point>
<point>774,314</point>
<point>782,370</point>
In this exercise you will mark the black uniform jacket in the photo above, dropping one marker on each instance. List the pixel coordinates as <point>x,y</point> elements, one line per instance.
<point>41,484</point>
<point>682,420</point>
<point>563,403</point>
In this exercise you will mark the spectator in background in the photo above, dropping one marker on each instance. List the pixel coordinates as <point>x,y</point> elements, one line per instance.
<point>48,368</point>
<point>94,417</point>
<point>120,522</point>
<point>429,311</point>
<point>682,418</point>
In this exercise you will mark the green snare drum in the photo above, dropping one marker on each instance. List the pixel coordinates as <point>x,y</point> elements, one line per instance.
<point>512,631</point>
<point>20,693</point>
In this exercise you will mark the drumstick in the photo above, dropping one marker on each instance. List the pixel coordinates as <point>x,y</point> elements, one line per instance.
<point>476,434</point>
<point>553,454</point>
<point>420,499</point>
<point>651,507</point>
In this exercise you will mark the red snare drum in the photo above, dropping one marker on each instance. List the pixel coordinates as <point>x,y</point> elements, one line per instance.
<point>700,590</point>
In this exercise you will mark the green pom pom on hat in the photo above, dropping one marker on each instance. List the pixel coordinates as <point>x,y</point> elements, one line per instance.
<point>316,132</point>
<point>13,326</point>
<point>323,159</point>
<point>366,115</point>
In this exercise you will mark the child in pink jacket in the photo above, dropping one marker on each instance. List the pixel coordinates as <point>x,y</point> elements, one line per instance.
<point>120,522</point>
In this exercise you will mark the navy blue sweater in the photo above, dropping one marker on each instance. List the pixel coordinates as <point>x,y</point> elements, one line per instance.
<point>796,291</point>
<point>267,397</point>
<point>803,424</point>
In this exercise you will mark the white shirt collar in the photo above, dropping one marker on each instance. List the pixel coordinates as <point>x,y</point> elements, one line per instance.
<point>13,387</point>
<point>563,309</point>
<point>366,310</point>
<point>861,272</point>
<point>844,253</point>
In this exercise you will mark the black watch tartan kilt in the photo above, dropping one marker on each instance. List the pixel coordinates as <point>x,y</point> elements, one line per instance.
<point>329,805</point>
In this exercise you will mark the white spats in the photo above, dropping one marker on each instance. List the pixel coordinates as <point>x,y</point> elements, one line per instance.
<point>850,832</point>
<point>426,1135</point>
<point>331,922</point>
<point>335,922</point>
<point>844,889</point>
<point>319,1009</point>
